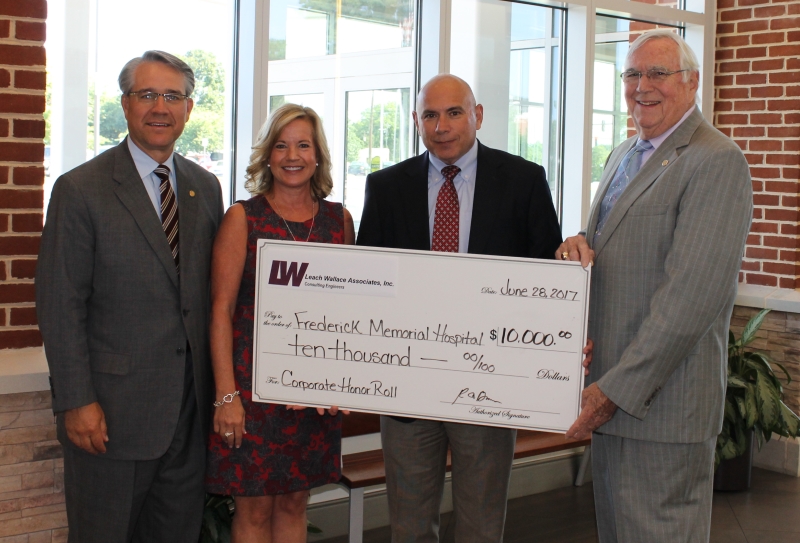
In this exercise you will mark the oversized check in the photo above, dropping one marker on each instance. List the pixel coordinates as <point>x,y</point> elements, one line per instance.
<point>446,336</point>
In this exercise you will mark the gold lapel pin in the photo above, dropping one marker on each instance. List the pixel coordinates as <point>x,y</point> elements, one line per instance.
<point>665,163</point>
<point>191,192</point>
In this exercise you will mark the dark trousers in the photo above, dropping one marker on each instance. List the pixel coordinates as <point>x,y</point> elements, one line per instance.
<point>153,501</point>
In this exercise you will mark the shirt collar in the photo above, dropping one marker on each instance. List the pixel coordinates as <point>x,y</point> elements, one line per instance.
<point>658,140</point>
<point>466,163</point>
<point>145,163</point>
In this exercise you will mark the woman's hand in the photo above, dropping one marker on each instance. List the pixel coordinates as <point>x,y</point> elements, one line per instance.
<point>332,410</point>
<point>229,422</point>
<point>227,264</point>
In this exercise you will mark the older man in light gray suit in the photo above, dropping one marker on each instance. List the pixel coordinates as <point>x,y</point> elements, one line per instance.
<point>122,297</point>
<point>667,244</point>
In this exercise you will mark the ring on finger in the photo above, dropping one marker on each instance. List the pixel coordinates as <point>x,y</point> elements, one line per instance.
<point>228,434</point>
<point>564,255</point>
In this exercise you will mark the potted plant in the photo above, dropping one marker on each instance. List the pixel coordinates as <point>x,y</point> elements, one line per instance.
<point>754,409</point>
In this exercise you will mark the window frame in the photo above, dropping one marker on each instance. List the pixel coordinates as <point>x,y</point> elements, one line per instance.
<point>433,35</point>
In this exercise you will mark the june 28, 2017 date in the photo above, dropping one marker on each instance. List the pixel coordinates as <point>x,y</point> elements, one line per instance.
<point>534,292</point>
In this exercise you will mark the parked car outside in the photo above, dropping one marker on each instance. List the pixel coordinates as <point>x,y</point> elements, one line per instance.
<point>357,168</point>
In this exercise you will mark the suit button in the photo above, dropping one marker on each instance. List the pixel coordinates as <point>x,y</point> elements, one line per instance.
<point>185,312</point>
<point>647,403</point>
<point>180,350</point>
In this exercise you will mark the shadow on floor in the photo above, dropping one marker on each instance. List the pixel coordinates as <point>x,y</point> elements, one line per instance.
<point>768,513</point>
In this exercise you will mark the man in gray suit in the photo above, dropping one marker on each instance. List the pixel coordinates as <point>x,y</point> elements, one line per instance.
<point>122,297</point>
<point>667,246</point>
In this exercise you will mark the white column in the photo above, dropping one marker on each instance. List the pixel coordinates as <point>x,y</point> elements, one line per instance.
<point>701,38</point>
<point>251,92</point>
<point>578,119</point>
<point>69,74</point>
<point>434,44</point>
<point>480,47</point>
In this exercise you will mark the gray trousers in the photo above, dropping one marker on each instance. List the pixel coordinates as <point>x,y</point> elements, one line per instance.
<point>415,454</point>
<point>152,501</point>
<point>653,492</point>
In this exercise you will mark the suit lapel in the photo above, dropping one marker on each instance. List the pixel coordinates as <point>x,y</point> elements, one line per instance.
<point>486,203</point>
<point>661,159</point>
<point>187,208</point>
<point>414,196</point>
<point>131,192</point>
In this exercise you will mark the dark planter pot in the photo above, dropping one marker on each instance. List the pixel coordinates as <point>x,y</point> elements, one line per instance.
<point>734,475</point>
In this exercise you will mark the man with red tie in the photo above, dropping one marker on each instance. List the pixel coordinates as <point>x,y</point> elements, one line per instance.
<point>459,196</point>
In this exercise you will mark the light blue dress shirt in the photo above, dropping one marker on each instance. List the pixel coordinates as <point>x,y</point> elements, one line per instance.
<point>152,184</point>
<point>465,187</point>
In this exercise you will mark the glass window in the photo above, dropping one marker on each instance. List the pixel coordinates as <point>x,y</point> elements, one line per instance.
<point>323,53</point>
<point>688,5</point>
<point>359,80</point>
<point>307,28</point>
<point>306,33</point>
<point>314,101</point>
<point>526,126</point>
<point>378,124</point>
<point>101,39</point>
<point>510,53</point>
<point>610,123</point>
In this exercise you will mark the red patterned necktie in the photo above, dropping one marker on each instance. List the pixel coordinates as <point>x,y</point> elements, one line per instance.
<point>169,211</point>
<point>445,223</point>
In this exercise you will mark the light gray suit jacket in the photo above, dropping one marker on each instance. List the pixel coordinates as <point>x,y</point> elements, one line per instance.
<point>664,283</point>
<point>114,315</point>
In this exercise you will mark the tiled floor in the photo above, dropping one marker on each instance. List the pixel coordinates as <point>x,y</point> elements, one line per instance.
<point>768,513</point>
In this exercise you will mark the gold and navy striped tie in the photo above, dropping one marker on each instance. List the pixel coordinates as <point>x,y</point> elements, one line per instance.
<point>169,211</point>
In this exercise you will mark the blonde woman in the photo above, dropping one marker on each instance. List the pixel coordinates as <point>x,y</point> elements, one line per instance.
<point>269,456</point>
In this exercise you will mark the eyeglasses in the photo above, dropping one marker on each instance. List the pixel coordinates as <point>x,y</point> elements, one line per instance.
<point>150,97</point>
<point>655,75</point>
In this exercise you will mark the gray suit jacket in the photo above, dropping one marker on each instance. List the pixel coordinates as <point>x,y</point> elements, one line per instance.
<point>664,283</point>
<point>114,315</point>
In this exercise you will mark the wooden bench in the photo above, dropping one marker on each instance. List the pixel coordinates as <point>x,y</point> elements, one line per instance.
<point>363,469</point>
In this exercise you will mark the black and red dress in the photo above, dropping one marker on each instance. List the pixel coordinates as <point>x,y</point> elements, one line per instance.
<point>283,450</point>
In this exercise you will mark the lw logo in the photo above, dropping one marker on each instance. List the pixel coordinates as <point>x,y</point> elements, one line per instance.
<point>282,272</point>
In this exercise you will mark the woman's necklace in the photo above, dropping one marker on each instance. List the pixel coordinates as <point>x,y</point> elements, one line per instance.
<point>313,218</point>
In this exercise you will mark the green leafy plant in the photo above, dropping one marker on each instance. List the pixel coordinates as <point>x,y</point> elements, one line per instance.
<point>753,400</point>
<point>218,516</point>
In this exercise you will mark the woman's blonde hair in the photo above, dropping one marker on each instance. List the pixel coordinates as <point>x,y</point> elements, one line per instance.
<point>259,179</point>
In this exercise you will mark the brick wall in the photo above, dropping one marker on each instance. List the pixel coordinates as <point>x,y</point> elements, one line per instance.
<point>22,102</point>
<point>31,471</point>
<point>757,103</point>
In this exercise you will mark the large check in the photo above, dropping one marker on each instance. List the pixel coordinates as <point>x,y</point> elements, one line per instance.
<point>453,337</point>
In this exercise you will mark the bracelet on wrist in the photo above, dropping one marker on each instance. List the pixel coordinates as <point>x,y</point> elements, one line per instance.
<point>227,398</point>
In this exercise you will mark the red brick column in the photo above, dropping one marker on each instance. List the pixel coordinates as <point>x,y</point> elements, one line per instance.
<point>757,103</point>
<point>22,103</point>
